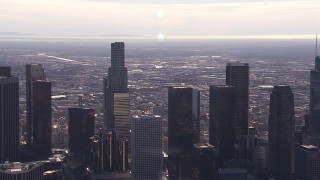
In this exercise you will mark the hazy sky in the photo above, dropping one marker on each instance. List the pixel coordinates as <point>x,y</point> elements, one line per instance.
<point>161,17</point>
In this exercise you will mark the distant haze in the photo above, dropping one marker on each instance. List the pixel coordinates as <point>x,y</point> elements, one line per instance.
<point>162,18</point>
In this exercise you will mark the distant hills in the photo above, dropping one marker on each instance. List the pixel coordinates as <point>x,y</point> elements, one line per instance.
<point>15,34</point>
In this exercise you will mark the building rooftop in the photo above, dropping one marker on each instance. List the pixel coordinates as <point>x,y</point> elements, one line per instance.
<point>18,167</point>
<point>309,147</point>
<point>203,145</point>
<point>237,64</point>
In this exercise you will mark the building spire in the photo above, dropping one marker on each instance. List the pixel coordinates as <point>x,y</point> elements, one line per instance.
<point>317,45</point>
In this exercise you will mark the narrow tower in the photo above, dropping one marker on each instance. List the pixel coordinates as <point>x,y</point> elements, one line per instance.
<point>281,132</point>
<point>39,114</point>
<point>183,130</point>
<point>116,93</point>
<point>222,121</point>
<point>314,122</point>
<point>9,116</point>
<point>237,75</point>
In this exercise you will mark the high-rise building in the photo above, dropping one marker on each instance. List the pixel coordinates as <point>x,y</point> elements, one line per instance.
<point>281,132</point>
<point>222,121</point>
<point>9,116</point>
<point>307,162</point>
<point>237,75</point>
<point>39,114</point>
<point>204,160</point>
<point>81,129</point>
<point>116,93</point>
<point>183,130</point>
<point>260,157</point>
<point>314,121</point>
<point>146,148</point>
<point>5,71</point>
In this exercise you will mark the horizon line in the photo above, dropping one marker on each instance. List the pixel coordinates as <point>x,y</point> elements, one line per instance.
<point>159,37</point>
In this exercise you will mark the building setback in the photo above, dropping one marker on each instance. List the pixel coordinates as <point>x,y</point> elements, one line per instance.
<point>183,130</point>
<point>39,114</point>
<point>281,132</point>
<point>116,93</point>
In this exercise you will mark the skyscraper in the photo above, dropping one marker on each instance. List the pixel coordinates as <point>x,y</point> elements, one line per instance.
<point>9,116</point>
<point>307,162</point>
<point>81,129</point>
<point>5,71</point>
<point>315,98</point>
<point>146,148</point>
<point>204,160</point>
<point>281,132</point>
<point>237,75</point>
<point>116,93</point>
<point>39,114</point>
<point>183,130</point>
<point>222,121</point>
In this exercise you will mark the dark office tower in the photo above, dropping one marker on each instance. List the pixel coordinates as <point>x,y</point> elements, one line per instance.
<point>222,121</point>
<point>315,98</point>
<point>81,129</point>
<point>183,130</point>
<point>146,148</point>
<point>105,152</point>
<point>5,71</point>
<point>281,132</point>
<point>116,93</point>
<point>9,116</point>
<point>307,162</point>
<point>237,75</point>
<point>204,160</point>
<point>38,98</point>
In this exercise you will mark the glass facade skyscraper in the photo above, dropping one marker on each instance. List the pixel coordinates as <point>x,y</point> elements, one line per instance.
<point>146,148</point>
<point>281,132</point>
<point>237,75</point>
<point>222,121</point>
<point>9,116</point>
<point>39,114</point>
<point>183,130</point>
<point>315,99</point>
<point>116,93</point>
